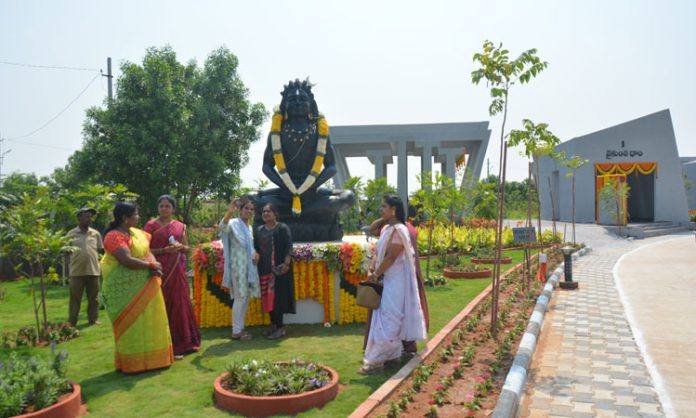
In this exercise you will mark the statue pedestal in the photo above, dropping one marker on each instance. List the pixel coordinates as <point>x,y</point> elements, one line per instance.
<point>321,295</point>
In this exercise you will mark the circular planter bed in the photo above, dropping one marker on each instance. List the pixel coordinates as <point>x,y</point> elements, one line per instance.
<point>451,274</point>
<point>503,260</point>
<point>68,406</point>
<point>263,406</point>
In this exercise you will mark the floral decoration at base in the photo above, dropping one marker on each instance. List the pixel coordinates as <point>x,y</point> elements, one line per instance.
<point>314,268</point>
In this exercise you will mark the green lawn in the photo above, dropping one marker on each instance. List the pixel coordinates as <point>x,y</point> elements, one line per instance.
<point>185,389</point>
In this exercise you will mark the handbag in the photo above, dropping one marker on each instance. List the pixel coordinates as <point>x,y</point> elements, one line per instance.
<point>369,295</point>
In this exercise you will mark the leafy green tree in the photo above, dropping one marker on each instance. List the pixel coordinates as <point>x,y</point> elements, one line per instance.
<point>538,141</point>
<point>500,73</point>
<point>433,206</point>
<point>29,238</point>
<point>573,164</point>
<point>485,200</point>
<point>374,192</point>
<point>172,128</point>
<point>352,218</point>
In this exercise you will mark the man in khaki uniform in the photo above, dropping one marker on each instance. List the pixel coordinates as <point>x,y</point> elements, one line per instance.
<point>84,267</point>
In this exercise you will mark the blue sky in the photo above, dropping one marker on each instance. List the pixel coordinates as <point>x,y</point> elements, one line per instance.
<point>373,62</point>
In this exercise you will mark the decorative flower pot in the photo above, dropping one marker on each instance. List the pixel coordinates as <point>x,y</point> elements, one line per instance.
<point>503,260</point>
<point>263,406</point>
<point>451,274</point>
<point>68,406</point>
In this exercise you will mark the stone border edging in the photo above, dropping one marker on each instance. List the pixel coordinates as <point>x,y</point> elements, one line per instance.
<point>393,382</point>
<point>516,381</point>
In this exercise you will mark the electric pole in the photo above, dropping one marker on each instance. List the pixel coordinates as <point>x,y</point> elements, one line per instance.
<point>110,78</point>
<point>2,154</point>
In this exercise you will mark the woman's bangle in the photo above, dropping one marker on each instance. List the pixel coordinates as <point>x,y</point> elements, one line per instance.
<point>151,265</point>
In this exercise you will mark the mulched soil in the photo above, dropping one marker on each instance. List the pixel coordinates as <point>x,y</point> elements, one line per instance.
<point>473,393</point>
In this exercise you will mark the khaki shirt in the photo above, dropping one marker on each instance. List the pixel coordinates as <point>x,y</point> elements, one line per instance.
<point>85,261</point>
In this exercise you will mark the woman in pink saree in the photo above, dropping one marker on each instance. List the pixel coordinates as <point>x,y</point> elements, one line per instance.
<point>169,246</point>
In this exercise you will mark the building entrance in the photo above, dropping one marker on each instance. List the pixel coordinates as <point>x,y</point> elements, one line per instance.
<point>641,197</point>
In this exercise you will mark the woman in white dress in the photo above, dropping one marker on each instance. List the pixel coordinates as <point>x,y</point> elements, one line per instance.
<point>399,316</point>
<point>241,275</point>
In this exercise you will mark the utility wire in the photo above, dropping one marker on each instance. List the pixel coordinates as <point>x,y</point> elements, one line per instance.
<point>59,113</point>
<point>50,67</point>
<point>38,145</point>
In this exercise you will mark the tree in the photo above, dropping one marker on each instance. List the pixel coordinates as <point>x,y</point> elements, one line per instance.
<point>433,206</point>
<point>537,141</point>
<point>171,128</point>
<point>353,218</point>
<point>573,164</point>
<point>374,192</point>
<point>29,238</point>
<point>501,73</point>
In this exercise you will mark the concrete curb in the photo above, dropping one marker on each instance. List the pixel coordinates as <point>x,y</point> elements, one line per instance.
<point>508,404</point>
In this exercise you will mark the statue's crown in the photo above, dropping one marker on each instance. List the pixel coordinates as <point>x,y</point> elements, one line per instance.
<point>292,86</point>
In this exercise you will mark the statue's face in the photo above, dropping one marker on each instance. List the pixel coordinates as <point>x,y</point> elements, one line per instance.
<point>298,103</point>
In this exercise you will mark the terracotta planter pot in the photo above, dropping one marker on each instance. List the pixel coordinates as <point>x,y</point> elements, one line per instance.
<point>503,260</point>
<point>450,274</point>
<point>263,406</point>
<point>67,407</point>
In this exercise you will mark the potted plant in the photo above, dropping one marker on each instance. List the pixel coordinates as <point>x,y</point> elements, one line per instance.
<point>35,387</point>
<point>264,388</point>
<point>486,255</point>
<point>467,271</point>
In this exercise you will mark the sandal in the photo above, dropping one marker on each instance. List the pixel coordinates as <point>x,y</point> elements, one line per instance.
<point>269,331</point>
<point>366,370</point>
<point>242,336</point>
<point>278,333</point>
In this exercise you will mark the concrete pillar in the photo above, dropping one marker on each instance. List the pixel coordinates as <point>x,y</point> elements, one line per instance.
<point>448,158</point>
<point>426,157</point>
<point>402,172</point>
<point>342,171</point>
<point>380,158</point>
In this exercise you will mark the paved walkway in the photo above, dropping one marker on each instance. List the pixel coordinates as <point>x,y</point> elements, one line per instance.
<point>587,362</point>
<point>658,287</point>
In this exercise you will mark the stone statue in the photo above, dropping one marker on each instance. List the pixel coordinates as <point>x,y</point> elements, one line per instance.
<point>298,159</point>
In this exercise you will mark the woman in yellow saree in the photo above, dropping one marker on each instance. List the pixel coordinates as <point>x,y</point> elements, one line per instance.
<point>133,297</point>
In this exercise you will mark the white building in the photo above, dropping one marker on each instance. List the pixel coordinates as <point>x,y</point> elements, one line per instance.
<point>642,153</point>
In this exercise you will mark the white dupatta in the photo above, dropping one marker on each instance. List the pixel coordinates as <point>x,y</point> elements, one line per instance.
<point>236,235</point>
<point>413,328</point>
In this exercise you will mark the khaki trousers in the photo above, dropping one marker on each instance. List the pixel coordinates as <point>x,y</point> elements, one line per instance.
<point>78,284</point>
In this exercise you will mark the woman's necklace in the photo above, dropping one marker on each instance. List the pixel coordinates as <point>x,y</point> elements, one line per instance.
<point>271,227</point>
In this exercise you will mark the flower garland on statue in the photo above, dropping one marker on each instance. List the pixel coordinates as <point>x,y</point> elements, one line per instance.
<point>276,126</point>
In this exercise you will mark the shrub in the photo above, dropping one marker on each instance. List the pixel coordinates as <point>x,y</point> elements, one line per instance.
<point>31,383</point>
<point>265,378</point>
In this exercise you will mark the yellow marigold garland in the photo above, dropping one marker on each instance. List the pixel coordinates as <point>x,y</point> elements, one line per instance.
<point>313,279</point>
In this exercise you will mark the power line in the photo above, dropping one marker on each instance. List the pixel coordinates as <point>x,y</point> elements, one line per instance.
<point>50,67</point>
<point>59,113</point>
<point>39,145</point>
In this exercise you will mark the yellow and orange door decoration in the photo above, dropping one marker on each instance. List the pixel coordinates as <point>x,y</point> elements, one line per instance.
<point>606,172</point>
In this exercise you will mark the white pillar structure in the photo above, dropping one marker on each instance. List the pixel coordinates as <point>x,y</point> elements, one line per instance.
<point>445,142</point>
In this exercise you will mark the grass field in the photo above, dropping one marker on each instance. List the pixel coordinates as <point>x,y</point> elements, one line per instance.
<point>185,389</point>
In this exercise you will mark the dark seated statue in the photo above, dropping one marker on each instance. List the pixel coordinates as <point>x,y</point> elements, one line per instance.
<point>299,159</point>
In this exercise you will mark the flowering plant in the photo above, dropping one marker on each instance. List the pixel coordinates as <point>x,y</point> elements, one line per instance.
<point>31,383</point>
<point>266,378</point>
<point>209,257</point>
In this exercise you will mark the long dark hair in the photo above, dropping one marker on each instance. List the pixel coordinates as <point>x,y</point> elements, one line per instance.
<point>121,209</point>
<point>396,202</point>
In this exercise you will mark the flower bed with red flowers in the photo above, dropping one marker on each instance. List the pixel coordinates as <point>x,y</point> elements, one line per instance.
<point>465,374</point>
